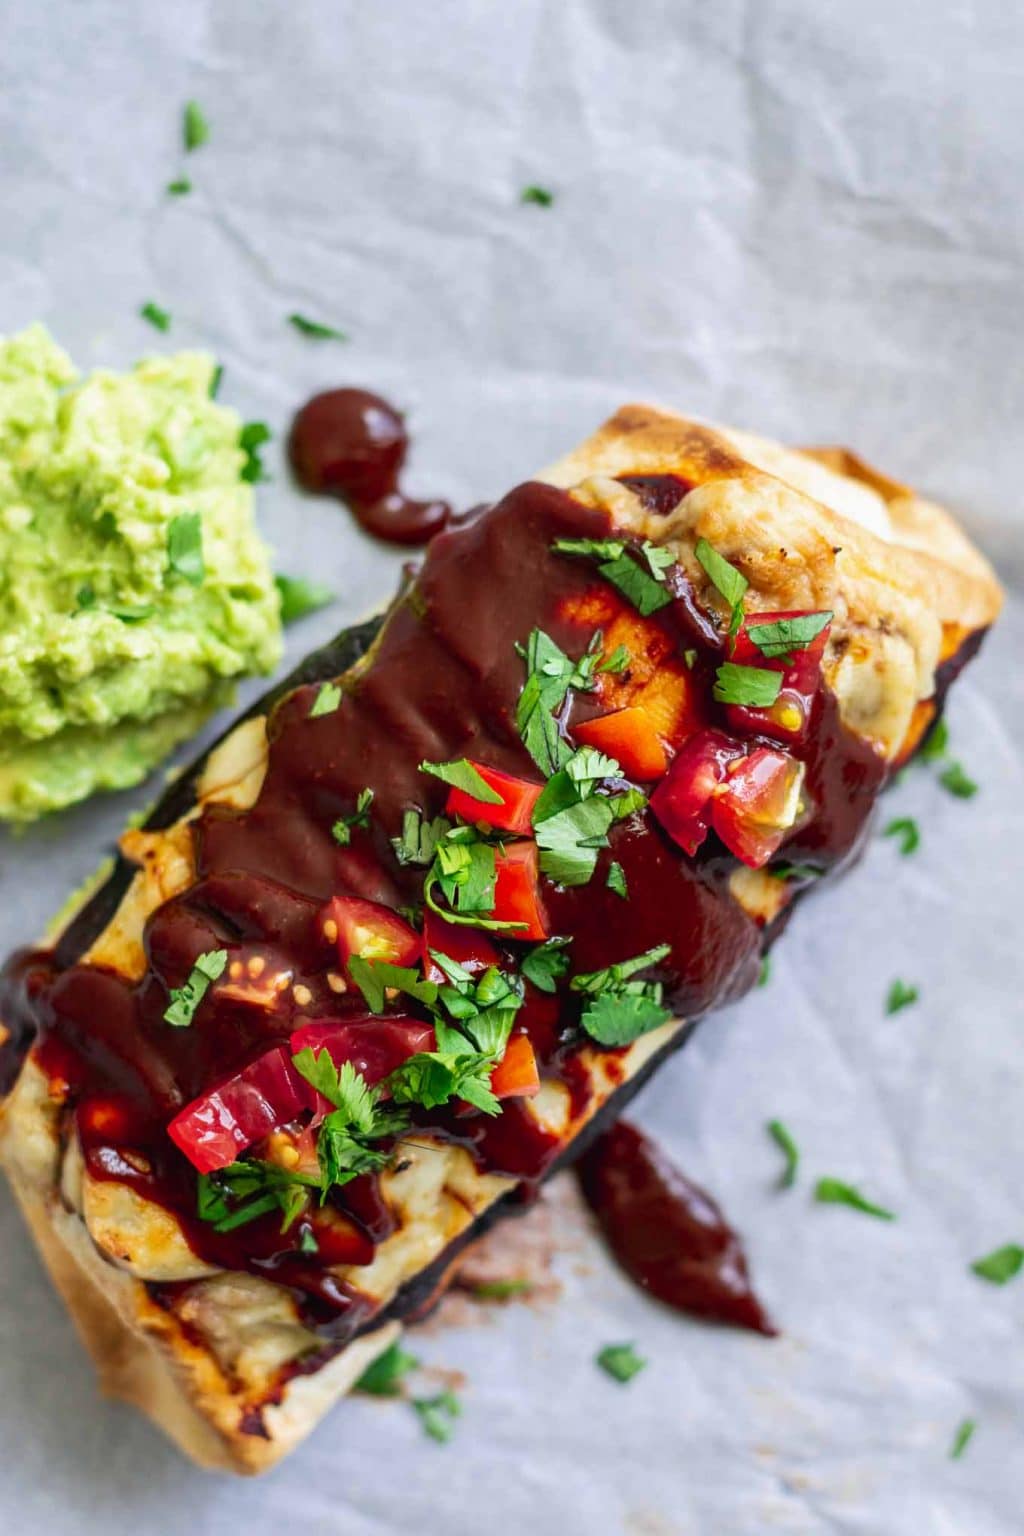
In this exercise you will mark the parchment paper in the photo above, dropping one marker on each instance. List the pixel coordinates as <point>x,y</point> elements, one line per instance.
<point>799,217</point>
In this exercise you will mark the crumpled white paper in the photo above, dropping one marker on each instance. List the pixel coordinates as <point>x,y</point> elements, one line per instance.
<point>800,218</point>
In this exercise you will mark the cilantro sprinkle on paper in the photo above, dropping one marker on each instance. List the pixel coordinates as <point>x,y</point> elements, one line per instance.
<point>179,188</point>
<point>1001,1265</point>
<point>299,597</point>
<point>956,780</point>
<point>383,1377</point>
<point>962,1438</point>
<point>195,130</point>
<point>621,1362</point>
<point>160,318</point>
<point>900,995</point>
<point>315,329</point>
<point>784,1141</point>
<point>904,828</point>
<point>436,1414</point>
<point>836,1192</point>
<point>541,197</point>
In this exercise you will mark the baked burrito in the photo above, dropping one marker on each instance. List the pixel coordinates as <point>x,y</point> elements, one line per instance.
<point>423,920</point>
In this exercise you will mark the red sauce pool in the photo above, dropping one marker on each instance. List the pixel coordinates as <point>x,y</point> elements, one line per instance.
<point>352,444</point>
<point>667,1233</point>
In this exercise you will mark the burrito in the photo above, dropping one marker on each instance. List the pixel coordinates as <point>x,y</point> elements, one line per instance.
<point>420,923</point>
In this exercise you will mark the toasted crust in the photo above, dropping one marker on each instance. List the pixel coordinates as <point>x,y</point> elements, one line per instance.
<point>214,1368</point>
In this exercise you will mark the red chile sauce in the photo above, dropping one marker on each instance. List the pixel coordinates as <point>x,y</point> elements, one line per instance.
<point>666,1232</point>
<point>351,444</point>
<point>441,683</point>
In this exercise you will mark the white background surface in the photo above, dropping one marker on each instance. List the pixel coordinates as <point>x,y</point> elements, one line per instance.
<point>804,218</point>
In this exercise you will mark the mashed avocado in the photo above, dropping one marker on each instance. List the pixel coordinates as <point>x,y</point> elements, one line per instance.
<point>133,587</point>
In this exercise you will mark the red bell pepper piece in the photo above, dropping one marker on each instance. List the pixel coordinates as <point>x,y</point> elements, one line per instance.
<point>757,804</point>
<point>629,736</point>
<point>516,1075</point>
<point>370,929</point>
<point>788,718</point>
<point>518,798</point>
<point>374,1046</point>
<point>217,1127</point>
<point>468,947</point>
<point>682,799</point>
<point>517,896</point>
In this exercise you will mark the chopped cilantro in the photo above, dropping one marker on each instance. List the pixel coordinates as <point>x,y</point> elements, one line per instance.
<point>541,197</point>
<point>383,1377</point>
<point>418,841</point>
<point>185,547</point>
<point>644,588</point>
<point>618,661</point>
<point>462,775</point>
<point>242,1192</point>
<point>725,578</point>
<point>619,1010</point>
<point>781,636</point>
<point>345,825</point>
<point>344,1144</point>
<point>1001,1265</point>
<point>956,780</point>
<point>836,1192</point>
<point>936,743</point>
<point>906,829</point>
<point>251,439</point>
<point>549,676</point>
<point>179,188</point>
<point>195,130</point>
<point>784,1141</point>
<point>755,687</point>
<point>962,1438</point>
<point>437,1413</point>
<point>615,880</point>
<point>546,963</point>
<point>764,974</point>
<point>326,702</point>
<point>316,330</point>
<point>299,597</point>
<point>690,658</point>
<point>787,871</point>
<point>620,1361</point>
<point>160,318</point>
<point>569,841</point>
<point>500,1290</point>
<point>308,1241</point>
<point>373,977</point>
<point>206,968</point>
<point>900,995</point>
<point>431,1078</point>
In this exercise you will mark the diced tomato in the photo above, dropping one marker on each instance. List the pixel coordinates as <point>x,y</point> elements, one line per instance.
<point>518,798</point>
<point>789,716</point>
<point>468,947</point>
<point>516,1075</point>
<point>757,804</point>
<point>517,896</point>
<point>681,801</point>
<point>374,1046</point>
<point>629,736</point>
<point>217,1126</point>
<point>371,930</point>
<point>338,1240</point>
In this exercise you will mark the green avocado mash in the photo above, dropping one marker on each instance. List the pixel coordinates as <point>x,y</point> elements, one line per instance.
<point>133,587</point>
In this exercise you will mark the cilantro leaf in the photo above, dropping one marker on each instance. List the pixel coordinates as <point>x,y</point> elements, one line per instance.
<point>569,841</point>
<point>373,977</point>
<point>195,130</point>
<point>345,825</point>
<point>436,1415</point>
<point>383,1377</point>
<point>251,439</point>
<point>755,687</point>
<point>358,1118</point>
<point>1001,1265</point>
<point>541,197</point>
<point>461,774</point>
<point>956,780</point>
<point>836,1192</point>
<point>159,318</point>
<point>326,702</point>
<point>620,1361</point>
<point>962,1438</point>
<point>618,661</point>
<point>615,880</point>
<point>619,1018</point>
<point>418,840</point>
<point>587,767</point>
<point>549,673</point>
<point>544,964</point>
<point>784,1141</point>
<point>179,188</point>
<point>906,829</point>
<point>782,636</point>
<point>185,547</point>
<point>644,588</point>
<point>431,1078</point>
<point>206,968</point>
<point>299,597</point>
<point>900,995</point>
<point>314,329</point>
<point>240,1193</point>
<point>725,578</point>
<point>611,977</point>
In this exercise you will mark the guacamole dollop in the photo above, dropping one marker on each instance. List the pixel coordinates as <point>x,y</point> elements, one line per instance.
<point>133,586</point>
